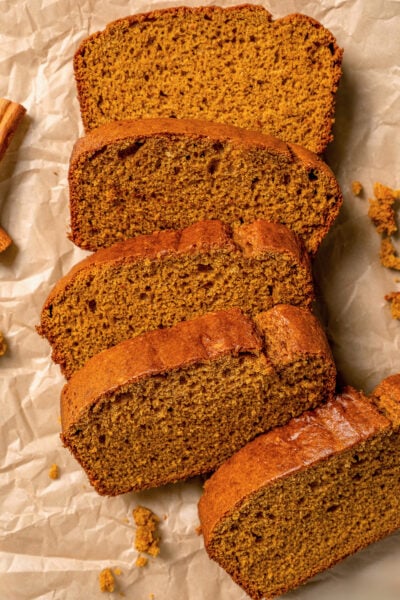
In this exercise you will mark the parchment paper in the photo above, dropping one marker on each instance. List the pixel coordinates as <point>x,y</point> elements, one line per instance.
<point>56,536</point>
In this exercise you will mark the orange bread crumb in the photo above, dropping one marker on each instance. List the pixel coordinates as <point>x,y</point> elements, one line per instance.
<point>381,209</point>
<point>3,345</point>
<point>54,472</point>
<point>107,581</point>
<point>388,256</point>
<point>356,187</point>
<point>146,539</point>
<point>141,561</point>
<point>394,299</point>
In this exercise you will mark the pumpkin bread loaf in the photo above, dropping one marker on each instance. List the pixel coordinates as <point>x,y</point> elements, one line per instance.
<point>174,403</point>
<point>298,499</point>
<point>170,276</point>
<point>136,177</point>
<point>233,65</point>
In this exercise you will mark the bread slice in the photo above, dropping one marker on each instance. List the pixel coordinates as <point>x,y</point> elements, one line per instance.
<point>174,403</point>
<point>137,177</point>
<point>298,499</point>
<point>170,276</point>
<point>233,65</point>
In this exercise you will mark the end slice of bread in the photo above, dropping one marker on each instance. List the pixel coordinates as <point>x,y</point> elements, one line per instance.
<point>298,499</point>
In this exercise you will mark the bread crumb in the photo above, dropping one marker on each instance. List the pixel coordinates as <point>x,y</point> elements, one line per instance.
<point>388,255</point>
<point>394,299</point>
<point>357,188</point>
<point>54,472</point>
<point>381,209</point>
<point>198,530</point>
<point>141,561</point>
<point>146,539</point>
<point>107,581</point>
<point>117,571</point>
<point>3,345</point>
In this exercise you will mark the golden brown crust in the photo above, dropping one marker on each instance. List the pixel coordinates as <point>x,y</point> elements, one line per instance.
<point>204,338</point>
<point>261,236</point>
<point>117,131</point>
<point>306,334</point>
<point>315,436</point>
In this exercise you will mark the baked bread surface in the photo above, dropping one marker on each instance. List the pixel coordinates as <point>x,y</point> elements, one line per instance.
<point>169,276</point>
<point>328,481</point>
<point>135,177</point>
<point>176,402</point>
<point>233,65</point>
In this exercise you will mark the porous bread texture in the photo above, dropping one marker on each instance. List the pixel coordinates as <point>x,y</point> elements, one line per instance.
<point>174,403</point>
<point>136,177</point>
<point>170,276</point>
<point>298,499</point>
<point>233,65</point>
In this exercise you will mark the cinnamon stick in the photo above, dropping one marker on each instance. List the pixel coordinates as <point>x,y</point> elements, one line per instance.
<point>5,240</point>
<point>11,114</point>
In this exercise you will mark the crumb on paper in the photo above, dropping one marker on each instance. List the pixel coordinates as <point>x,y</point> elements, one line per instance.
<point>381,209</point>
<point>394,299</point>
<point>146,539</point>
<point>151,596</point>
<point>388,255</point>
<point>107,581</point>
<point>356,187</point>
<point>141,561</point>
<point>117,571</point>
<point>3,345</point>
<point>198,530</point>
<point>54,472</point>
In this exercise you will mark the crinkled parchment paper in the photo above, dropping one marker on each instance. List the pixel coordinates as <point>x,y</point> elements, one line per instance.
<point>57,535</point>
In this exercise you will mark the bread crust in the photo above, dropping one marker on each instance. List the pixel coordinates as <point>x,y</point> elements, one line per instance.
<point>306,337</point>
<point>117,131</point>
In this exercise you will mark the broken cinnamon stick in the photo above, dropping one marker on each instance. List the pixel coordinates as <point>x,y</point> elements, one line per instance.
<point>11,114</point>
<point>5,240</point>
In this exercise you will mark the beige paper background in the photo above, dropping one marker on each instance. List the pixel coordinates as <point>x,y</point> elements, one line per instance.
<point>56,536</point>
